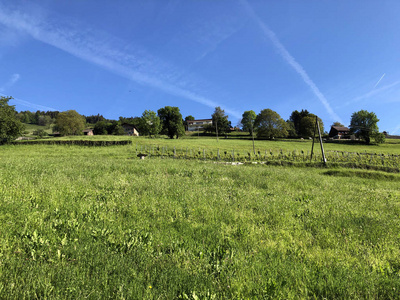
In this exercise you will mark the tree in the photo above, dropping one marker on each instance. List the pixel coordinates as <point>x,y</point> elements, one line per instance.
<point>185,122</point>
<point>269,124</point>
<point>10,126</point>
<point>150,123</point>
<point>219,122</point>
<point>307,125</point>
<point>171,120</point>
<point>364,125</point>
<point>70,123</point>
<point>296,117</point>
<point>303,126</point>
<point>101,127</point>
<point>338,124</point>
<point>248,119</point>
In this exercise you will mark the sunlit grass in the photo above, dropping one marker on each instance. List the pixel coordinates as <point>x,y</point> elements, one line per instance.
<point>81,222</point>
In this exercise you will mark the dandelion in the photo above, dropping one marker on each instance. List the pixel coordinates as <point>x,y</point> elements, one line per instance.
<point>150,286</point>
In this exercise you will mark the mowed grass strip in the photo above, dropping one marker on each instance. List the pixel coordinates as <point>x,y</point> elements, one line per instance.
<point>81,222</point>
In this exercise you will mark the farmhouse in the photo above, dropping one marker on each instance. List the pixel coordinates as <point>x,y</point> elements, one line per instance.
<point>130,129</point>
<point>339,132</point>
<point>197,125</point>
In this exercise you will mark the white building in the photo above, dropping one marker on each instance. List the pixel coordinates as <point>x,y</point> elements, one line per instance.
<point>197,125</point>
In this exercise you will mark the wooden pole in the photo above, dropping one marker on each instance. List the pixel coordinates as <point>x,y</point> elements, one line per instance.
<point>320,141</point>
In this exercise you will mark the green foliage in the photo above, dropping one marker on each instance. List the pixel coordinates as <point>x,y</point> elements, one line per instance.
<point>364,125</point>
<point>70,123</point>
<point>248,119</point>
<point>171,121</point>
<point>101,127</point>
<point>40,133</point>
<point>150,123</point>
<point>269,124</point>
<point>338,124</point>
<point>10,126</point>
<point>307,126</point>
<point>379,137</point>
<point>220,122</point>
<point>304,123</point>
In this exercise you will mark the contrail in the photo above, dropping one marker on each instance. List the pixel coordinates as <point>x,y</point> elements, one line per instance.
<point>30,104</point>
<point>148,71</point>
<point>379,80</point>
<point>291,61</point>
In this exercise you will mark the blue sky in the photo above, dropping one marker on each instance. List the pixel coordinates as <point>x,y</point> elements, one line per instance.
<point>119,58</point>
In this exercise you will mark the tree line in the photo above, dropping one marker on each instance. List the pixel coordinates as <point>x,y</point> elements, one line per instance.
<point>267,124</point>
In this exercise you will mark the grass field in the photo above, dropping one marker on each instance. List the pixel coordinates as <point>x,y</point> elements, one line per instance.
<point>96,222</point>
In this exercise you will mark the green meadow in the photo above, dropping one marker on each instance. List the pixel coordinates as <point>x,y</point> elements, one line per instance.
<point>82,222</point>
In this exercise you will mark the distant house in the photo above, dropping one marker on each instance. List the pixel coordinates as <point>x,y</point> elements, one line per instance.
<point>339,132</point>
<point>130,129</point>
<point>88,132</point>
<point>197,125</point>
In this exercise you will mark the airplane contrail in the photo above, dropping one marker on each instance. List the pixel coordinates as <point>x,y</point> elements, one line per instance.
<point>379,80</point>
<point>290,60</point>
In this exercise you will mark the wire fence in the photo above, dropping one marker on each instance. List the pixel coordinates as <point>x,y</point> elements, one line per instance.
<point>266,155</point>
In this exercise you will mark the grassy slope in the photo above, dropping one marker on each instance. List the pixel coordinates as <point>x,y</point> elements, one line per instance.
<point>240,144</point>
<point>91,222</point>
<point>30,128</point>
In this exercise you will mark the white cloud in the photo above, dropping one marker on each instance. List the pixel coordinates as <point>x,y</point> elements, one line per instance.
<point>14,78</point>
<point>290,60</point>
<point>134,64</point>
<point>372,93</point>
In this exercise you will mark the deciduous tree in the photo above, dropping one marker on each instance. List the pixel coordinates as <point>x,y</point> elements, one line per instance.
<point>171,120</point>
<point>364,125</point>
<point>70,123</point>
<point>269,124</point>
<point>248,119</point>
<point>149,123</point>
<point>10,126</point>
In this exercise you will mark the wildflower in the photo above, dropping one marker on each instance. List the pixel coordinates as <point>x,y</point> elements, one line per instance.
<point>150,286</point>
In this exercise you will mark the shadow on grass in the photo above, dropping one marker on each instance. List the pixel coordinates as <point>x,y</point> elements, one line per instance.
<point>362,174</point>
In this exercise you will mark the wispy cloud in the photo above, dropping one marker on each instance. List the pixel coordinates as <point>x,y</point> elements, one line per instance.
<point>396,130</point>
<point>290,60</point>
<point>379,80</point>
<point>30,104</point>
<point>14,78</point>
<point>133,64</point>
<point>372,93</point>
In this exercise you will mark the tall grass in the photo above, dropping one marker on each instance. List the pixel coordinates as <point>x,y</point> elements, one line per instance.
<point>99,223</point>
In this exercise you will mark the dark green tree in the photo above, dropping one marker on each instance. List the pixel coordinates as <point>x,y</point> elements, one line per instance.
<point>307,126</point>
<point>171,121</point>
<point>219,121</point>
<point>364,125</point>
<point>338,124</point>
<point>70,123</point>
<point>248,119</point>
<point>269,124</point>
<point>10,126</point>
<point>150,123</point>
<point>101,127</point>
<point>296,117</point>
